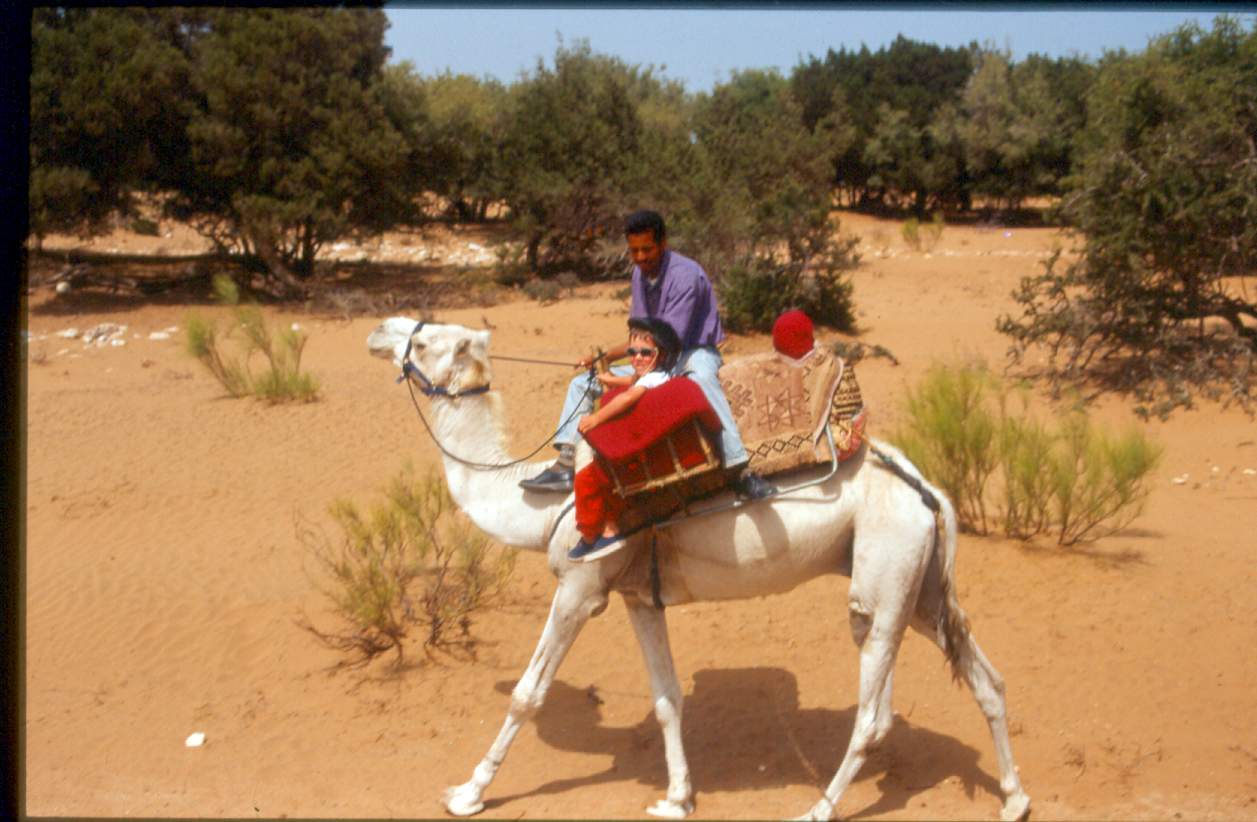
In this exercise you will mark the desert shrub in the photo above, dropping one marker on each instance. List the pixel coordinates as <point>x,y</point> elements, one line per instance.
<point>410,562</point>
<point>1099,479</point>
<point>145,227</point>
<point>1064,476</point>
<point>203,344</point>
<point>952,436</point>
<point>923,236</point>
<point>756,289</point>
<point>543,291</point>
<point>1025,448</point>
<point>282,379</point>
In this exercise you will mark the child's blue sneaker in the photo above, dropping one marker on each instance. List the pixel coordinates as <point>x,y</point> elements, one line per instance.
<point>599,548</point>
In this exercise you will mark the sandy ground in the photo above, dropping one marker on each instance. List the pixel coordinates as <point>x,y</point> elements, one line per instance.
<point>164,580</point>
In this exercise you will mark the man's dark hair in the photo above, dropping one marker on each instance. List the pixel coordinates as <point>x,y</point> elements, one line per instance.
<point>665,337</point>
<point>646,220</point>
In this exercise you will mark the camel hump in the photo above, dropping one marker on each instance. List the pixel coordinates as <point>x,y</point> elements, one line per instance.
<point>782,407</point>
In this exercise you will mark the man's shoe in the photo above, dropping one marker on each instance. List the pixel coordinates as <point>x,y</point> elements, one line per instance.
<point>753,486</point>
<point>599,548</point>
<point>555,478</point>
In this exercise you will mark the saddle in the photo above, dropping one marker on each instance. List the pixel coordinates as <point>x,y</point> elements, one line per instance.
<point>665,452</point>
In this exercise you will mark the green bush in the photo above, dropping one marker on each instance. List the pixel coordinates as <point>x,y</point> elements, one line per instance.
<point>281,381</point>
<point>409,562</point>
<point>1099,479</point>
<point>1066,476</point>
<point>923,237</point>
<point>543,291</point>
<point>952,436</point>
<point>145,227</point>
<point>755,290</point>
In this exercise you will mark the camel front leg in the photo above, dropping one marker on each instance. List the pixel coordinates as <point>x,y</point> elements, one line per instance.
<point>652,634</point>
<point>572,607</point>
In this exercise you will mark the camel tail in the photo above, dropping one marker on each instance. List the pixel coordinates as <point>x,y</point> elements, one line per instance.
<point>950,621</point>
<point>953,625</point>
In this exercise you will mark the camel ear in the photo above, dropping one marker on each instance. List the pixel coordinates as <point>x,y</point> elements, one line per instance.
<point>464,345</point>
<point>482,337</point>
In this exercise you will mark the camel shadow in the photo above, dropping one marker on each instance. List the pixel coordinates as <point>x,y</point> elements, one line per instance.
<point>744,731</point>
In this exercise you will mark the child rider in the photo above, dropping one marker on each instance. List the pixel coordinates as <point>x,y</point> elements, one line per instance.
<point>653,348</point>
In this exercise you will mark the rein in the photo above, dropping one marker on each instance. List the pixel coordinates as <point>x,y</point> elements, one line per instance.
<point>428,389</point>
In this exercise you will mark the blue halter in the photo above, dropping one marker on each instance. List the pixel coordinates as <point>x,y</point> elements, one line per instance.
<point>409,369</point>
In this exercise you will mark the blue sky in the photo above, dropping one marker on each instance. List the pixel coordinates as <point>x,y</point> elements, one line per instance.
<point>702,46</point>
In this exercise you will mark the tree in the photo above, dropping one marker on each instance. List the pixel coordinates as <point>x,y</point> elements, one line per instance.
<point>573,135</point>
<point>1017,124</point>
<point>774,246</point>
<point>906,76</point>
<point>266,129</point>
<point>291,147</point>
<point>458,122</point>
<point>108,112</point>
<point>1164,198</point>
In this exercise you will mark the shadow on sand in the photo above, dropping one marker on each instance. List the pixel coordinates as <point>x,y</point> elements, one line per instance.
<point>744,731</point>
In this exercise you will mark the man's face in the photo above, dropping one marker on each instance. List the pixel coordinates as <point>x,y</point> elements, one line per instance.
<point>646,252</point>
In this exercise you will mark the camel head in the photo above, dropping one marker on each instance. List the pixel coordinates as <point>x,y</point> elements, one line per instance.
<point>450,357</point>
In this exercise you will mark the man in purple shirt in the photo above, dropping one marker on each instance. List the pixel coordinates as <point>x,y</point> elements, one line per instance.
<point>671,287</point>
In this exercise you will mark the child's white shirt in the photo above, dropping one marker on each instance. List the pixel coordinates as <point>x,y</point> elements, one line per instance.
<point>652,379</point>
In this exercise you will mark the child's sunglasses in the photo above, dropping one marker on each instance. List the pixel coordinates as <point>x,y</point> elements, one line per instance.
<point>643,352</point>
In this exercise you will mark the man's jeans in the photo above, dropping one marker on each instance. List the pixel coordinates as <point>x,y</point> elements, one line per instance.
<point>699,364</point>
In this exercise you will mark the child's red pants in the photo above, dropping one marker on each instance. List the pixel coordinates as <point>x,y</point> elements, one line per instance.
<point>597,503</point>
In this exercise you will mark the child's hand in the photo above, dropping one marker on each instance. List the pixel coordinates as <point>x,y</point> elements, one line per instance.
<point>607,379</point>
<point>584,424</point>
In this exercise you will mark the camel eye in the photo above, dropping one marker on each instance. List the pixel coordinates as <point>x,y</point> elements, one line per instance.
<point>462,347</point>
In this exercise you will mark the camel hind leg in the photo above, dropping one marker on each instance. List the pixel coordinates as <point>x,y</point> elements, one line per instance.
<point>987,686</point>
<point>879,645</point>
<point>575,601</point>
<point>939,617</point>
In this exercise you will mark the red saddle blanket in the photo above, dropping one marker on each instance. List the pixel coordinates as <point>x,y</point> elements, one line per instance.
<point>632,444</point>
<point>659,412</point>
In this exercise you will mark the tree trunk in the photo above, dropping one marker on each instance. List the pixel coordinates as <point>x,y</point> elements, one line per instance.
<point>285,281</point>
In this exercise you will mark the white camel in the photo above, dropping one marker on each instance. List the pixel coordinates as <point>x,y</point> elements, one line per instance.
<point>866,522</point>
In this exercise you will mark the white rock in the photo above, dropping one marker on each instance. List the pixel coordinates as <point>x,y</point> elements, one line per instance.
<point>195,740</point>
<point>1180,480</point>
<point>103,333</point>
<point>63,288</point>
<point>68,333</point>
<point>117,342</point>
<point>159,335</point>
<point>1250,472</point>
<point>296,327</point>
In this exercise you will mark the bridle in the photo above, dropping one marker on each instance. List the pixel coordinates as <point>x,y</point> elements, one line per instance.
<point>411,374</point>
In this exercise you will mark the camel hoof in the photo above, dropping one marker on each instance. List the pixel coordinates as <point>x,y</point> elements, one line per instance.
<point>1016,808</point>
<point>822,811</point>
<point>667,809</point>
<point>463,800</point>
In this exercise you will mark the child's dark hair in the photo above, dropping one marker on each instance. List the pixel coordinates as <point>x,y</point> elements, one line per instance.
<point>665,338</point>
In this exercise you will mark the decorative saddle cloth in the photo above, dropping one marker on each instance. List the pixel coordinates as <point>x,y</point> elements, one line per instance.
<point>781,408</point>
